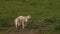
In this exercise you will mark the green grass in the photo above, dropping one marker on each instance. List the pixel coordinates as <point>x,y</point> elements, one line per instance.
<point>42,11</point>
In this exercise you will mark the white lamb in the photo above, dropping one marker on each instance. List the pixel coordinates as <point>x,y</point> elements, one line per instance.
<point>22,20</point>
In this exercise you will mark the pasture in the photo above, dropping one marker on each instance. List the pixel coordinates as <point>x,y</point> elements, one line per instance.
<point>45,16</point>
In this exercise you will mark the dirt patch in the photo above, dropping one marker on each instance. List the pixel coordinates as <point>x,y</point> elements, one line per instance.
<point>26,31</point>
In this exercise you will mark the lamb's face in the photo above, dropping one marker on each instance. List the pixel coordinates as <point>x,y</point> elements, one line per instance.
<point>28,16</point>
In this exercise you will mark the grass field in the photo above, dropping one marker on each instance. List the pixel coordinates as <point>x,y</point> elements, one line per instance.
<point>42,11</point>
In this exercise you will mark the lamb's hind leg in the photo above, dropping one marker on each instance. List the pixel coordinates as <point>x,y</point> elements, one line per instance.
<point>16,23</point>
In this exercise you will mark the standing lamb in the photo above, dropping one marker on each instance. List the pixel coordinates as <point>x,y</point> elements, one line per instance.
<point>22,20</point>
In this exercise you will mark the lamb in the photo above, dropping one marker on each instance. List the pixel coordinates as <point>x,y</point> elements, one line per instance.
<point>22,20</point>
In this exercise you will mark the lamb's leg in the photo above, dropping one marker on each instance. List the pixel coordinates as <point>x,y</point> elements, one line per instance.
<point>23,25</point>
<point>16,23</point>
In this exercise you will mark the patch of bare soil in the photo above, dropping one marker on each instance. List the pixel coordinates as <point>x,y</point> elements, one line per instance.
<point>26,31</point>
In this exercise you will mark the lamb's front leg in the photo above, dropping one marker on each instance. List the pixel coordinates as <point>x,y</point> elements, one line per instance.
<point>25,22</point>
<point>23,25</point>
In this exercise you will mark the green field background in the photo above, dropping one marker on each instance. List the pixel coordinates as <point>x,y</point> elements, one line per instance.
<point>41,11</point>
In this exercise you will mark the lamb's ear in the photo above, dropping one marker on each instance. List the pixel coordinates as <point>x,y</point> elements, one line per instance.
<point>29,16</point>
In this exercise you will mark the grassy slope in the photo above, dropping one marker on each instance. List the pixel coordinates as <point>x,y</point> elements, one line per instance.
<point>38,9</point>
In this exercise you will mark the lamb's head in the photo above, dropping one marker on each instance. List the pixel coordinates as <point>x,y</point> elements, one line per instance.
<point>28,16</point>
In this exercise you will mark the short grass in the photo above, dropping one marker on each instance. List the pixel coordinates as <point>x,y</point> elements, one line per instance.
<point>42,11</point>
